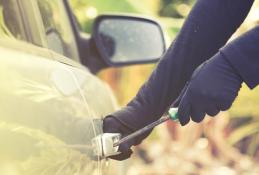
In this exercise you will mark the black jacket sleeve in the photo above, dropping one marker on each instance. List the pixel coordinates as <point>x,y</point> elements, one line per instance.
<point>243,54</point>
<point>208,27</point>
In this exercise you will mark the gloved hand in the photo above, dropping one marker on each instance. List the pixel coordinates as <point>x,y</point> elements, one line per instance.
<point>213,87</point>
<point>123,125</point>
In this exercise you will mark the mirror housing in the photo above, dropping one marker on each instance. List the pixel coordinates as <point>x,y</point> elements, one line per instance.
<point>126,40</point>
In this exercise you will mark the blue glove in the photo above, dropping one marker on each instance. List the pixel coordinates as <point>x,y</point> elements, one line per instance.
<point>213,87</point>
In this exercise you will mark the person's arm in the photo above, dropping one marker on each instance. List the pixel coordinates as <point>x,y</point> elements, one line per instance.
<point>207,28</point>
<point>243,54</point>
<point>215,84</point>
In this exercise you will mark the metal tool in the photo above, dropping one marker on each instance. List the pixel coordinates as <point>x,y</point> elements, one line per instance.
<point>107,144</point>
<point>172,114</point>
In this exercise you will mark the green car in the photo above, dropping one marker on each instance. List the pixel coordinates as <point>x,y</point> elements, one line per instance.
<point>51,102</point>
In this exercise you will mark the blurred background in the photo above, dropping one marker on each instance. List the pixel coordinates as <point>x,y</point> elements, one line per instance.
<point>227,144</point>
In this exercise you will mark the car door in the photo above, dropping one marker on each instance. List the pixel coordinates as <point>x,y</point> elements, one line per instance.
<point>49,103</point>
<point>95,97</point>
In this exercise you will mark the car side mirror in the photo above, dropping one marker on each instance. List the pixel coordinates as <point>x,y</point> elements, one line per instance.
<point>125,40</point>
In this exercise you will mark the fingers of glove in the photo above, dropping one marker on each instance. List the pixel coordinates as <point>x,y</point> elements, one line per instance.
<point>197,114</point>
<point>122,156</point>
<point>212,110</point>
<point>184,112</point>
<point>224,105</point>
<point>225,100</point>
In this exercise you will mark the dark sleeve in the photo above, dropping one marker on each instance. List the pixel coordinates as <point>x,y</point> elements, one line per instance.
<point>207,28</point>
<point>243,54</point>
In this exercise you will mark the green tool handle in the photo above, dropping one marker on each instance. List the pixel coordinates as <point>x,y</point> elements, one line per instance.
<point>172,114</point>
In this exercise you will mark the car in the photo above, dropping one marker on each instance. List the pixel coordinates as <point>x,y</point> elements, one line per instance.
<point>51,101</point>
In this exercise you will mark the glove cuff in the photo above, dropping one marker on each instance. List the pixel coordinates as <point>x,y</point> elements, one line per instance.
<point>242,55</point>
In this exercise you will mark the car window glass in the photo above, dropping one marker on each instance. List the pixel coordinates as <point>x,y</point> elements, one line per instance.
<point>10,23</point>
<point>58,33</point>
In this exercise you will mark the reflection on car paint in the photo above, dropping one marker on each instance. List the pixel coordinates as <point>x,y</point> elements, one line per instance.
<point>40,124</point>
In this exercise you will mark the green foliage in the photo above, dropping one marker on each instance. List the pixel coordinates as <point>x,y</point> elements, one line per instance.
<point>109,6</point>
<point>144,7</point>
<point>175,8</point>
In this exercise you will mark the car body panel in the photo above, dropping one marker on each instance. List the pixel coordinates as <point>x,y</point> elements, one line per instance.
<point>46,106</point>
<point>51,105</point>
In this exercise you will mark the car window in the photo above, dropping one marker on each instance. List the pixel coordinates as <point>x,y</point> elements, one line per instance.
<point>59,35</point>
<point>10,22</point>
